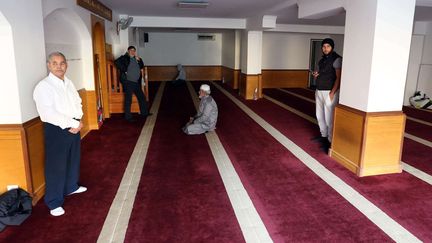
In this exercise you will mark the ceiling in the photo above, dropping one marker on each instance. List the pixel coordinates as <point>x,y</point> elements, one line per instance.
<point>286,11</point>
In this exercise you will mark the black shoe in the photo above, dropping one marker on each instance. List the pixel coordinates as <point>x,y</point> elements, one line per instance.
<point>131,120</point>
<point>320,139</point>
<point>326,145</point>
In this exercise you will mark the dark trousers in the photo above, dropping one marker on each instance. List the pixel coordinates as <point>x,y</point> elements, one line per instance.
<point>62,164</point>
<point>130,88</point>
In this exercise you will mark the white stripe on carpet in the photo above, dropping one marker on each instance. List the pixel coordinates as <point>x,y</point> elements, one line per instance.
<point>250,222</point>
<point>372,212</point>
<point>413,171</point>
<point>313,101</point>
<point>117,220</point>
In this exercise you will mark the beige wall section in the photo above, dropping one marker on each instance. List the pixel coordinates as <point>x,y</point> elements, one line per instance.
<point>359,139</point>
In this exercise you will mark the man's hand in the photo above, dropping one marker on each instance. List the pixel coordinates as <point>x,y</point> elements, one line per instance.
<point>76,130</point>
<point>331,95</point>
<point>315,74</point>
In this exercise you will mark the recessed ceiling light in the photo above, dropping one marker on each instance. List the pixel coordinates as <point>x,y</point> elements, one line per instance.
<point>192,4</point>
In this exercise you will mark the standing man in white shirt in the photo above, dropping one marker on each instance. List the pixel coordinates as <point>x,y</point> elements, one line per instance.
<point>59,107</point>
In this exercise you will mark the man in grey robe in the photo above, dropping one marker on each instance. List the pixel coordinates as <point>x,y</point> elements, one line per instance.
<point>206,118</point>
<point>181,77</point>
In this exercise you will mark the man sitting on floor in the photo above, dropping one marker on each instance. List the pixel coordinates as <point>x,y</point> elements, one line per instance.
<point>206,118</point>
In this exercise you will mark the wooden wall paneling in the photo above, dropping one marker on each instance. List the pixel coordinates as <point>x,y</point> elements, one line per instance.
<point>86,127</point>
<point>228,76</point>
<point>12,163</point>
<point>248,84</point>
<point>236,79</point>
<point>231,76</point>
<point>368,143</point>
<point>34,136</point>
<point>383,143</point>
<point>202,73</point>
<point>348,138</point>
<point>285,78</point>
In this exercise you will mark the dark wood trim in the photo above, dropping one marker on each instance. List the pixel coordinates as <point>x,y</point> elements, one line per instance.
<point>284,70</point>
<point>365,114</point>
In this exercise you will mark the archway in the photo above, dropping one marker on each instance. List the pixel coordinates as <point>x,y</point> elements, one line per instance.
<point>66,32</point>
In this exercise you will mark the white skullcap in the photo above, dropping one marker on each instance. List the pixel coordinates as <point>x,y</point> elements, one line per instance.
<point>205,87</point>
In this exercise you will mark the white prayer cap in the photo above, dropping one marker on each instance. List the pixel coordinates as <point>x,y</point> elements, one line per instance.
<point>205,87</point>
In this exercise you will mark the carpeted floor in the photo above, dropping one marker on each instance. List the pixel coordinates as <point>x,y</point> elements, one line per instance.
<point>402,196</point>
<point>294,203</point>
<point>181,197</point>
<point>104,157</point>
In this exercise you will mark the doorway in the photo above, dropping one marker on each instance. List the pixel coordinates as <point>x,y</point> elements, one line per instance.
<point>100,70</point>
<point>315,56</point>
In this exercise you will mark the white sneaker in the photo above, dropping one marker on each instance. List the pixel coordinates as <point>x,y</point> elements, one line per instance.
<point>57,212</point>
<point>79,190</point>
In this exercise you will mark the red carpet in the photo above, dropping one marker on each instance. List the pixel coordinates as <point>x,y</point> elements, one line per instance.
<point>403,197</point>
<point>415,154</point>
<point>295,204</point>
<point>418,113</point>
<point>308,93</point>
<point>181,197</point>
<point>105,154</point>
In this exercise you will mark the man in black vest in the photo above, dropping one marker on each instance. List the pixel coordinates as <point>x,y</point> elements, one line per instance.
<point>327,90</point>
<point>130,66</point>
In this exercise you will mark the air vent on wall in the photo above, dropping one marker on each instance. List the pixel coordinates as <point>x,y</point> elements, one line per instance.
<point>206,37</point>
<point>192,4</point>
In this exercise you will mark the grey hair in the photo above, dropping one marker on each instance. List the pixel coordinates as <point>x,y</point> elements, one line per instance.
<point>56,53</point>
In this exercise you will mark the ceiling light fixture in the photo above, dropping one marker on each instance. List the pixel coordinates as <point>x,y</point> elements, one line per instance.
<point>192,4</point>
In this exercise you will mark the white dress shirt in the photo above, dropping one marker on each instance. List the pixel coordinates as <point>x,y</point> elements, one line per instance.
<point>58,102</point>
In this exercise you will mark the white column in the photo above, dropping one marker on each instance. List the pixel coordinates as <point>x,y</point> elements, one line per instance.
<point>376,51</point>
<point>251,56</point>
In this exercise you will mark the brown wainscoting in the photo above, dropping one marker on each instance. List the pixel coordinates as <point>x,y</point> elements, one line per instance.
<point>193,73</point>
<point>117,103</point>
<point>276,78</point>
<point>368,143</point>
<point>231,76</point>
<point>14,167</point>
<point>89,108</point>
<point>22,157</point>
<point>22,152</point>
<point>34,137</point>
<point>248,84</point>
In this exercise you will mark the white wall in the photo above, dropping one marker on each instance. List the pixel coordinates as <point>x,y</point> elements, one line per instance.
<point>291,50</point>
<point>243,50</point>
<point>419,76</point>
<point>80,20</point>
<point>25,19</point>
<point>68,42</point>
<point>10,110</point>
<point>184,48</point>
<point>413,66</point>
<point>229,49</point>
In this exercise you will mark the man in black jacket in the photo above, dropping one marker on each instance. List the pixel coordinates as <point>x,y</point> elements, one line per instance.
<point>130,66</point>
<point>327,90</point>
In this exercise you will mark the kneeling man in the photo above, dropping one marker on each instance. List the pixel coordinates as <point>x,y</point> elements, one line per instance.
<point>206,118</point>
